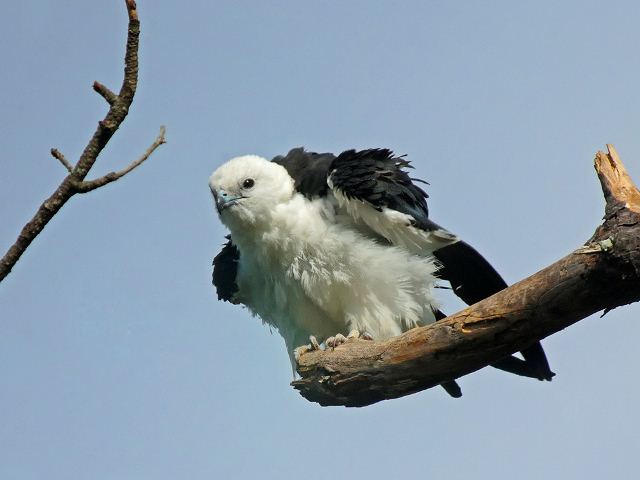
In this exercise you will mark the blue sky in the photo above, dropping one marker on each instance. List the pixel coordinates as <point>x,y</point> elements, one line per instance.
<point>116,359</point>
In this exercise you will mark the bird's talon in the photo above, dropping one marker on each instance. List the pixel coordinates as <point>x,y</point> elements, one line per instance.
<point>339,339</point>
<point>301,350</point>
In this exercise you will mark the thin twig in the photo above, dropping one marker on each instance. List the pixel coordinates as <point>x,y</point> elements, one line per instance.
<point>104,91</point>
<point>87,186</point>
<point>62,159</point>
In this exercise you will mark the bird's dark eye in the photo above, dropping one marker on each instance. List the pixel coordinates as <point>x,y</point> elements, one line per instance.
<point>248,183</point>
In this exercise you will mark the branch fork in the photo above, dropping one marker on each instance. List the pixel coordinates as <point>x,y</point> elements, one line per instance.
<point>84,186</point>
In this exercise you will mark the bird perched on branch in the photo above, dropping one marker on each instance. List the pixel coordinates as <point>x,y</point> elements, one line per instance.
<point>326,247</point>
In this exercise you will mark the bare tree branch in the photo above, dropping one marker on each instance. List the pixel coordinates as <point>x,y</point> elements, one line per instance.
<point>602,275</point>
<point>118,110</point>
<point>88,185</point>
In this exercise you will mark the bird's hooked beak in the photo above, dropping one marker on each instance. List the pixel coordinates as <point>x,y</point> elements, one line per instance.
<point>225,200</point>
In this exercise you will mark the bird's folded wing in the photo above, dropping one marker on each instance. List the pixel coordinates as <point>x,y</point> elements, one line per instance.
<point>225,271</point>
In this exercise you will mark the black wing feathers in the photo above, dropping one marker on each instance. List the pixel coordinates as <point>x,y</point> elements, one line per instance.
<point>225,270</point>
<point>473,279</point>
<point>470,275</point>
<point>309,170</point>
<point>374,175</point>
<point>378,177</point>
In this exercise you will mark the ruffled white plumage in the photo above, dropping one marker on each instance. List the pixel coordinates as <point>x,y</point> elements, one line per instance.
<point>307,268</point>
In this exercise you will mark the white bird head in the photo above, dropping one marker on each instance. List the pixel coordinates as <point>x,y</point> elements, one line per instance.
<point>246,190</point>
